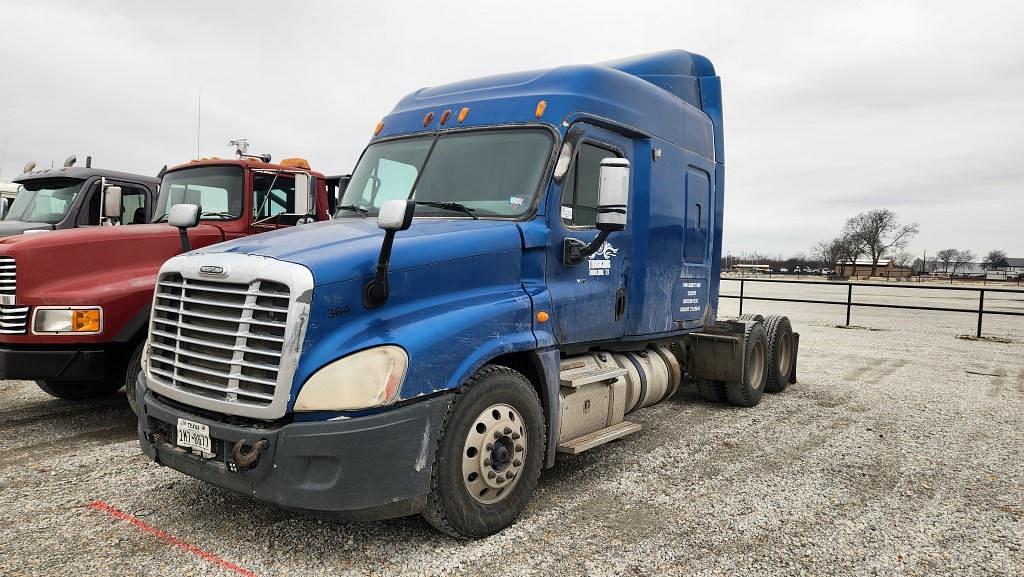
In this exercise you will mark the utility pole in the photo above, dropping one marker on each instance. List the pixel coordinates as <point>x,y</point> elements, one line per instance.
<point>199,119</point>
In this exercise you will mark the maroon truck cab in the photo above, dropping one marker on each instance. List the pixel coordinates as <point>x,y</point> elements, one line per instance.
<point>75,307</point>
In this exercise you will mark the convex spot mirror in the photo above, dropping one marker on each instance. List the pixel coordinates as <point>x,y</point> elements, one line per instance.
<point>613,194</point>
<point>184,215</point>
<point>112,202</point>
<point>396,214</point>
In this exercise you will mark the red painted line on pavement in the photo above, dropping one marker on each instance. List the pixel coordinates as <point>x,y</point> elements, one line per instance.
<point>168,538</point>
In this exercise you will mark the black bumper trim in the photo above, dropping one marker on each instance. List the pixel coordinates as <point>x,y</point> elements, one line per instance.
<point>369,467</point>
<point>52,364</point>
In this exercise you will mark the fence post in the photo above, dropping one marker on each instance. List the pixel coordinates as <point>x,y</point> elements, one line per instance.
<point>741,296</point>
<point>981,309</point>
<point>849,301</point>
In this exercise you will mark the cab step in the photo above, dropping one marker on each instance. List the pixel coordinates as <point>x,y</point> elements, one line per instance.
<point>577,376</point>
<point>599,437</point>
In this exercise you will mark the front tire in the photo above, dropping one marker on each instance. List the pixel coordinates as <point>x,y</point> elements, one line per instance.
<point>132,374</point>
<point>80,390</point>
<point>489,455</point>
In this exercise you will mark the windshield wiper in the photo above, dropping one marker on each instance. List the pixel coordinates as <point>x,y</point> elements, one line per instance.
<point>162,216</point>
<point>454,206</point>
<point>222,215</point>
<point>356,209</point>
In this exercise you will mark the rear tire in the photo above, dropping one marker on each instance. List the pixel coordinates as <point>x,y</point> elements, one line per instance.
<point>780,352</point>
<point>465,500</point>
<point>131,374</point>
<point>747,392</point>
<point>79,390</point>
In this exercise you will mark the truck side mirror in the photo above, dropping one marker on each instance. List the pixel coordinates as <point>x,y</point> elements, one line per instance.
<point>184,217</point>
<point>111,203</point>
<point>394,215</point>
<point>303,202</point>
<point>4,205</point>
<point>613,194</point>
<point>612,205</point>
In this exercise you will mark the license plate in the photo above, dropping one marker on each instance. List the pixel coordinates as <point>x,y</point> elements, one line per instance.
<point>193,435</point>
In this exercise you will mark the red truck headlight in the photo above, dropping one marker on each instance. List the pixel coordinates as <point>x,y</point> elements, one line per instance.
<point>67,320</point>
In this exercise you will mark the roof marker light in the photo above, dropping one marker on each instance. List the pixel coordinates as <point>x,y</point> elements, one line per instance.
<point>541,107</point>
<point>463,114</point>
<point>380,126</point>
<point>445,115</point>
<point>427,118</point>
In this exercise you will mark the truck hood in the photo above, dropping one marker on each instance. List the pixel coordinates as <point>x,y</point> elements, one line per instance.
<point>12,227</point>
<point>343,249</point>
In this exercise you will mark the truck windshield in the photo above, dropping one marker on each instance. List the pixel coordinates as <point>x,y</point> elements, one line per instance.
<point>216,189</point>
<point>46,201</point>
<point>485,173</point>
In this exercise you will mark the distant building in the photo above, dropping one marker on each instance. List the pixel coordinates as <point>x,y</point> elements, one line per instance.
<point>862,268</point>
<point>1014,265</point>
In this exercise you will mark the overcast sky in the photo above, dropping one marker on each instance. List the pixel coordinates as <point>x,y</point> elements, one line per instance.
<point>830,108</point>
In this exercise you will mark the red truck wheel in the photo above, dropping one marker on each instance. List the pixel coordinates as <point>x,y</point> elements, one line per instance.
<point>131,374</point>
<point>79,390</point>
<point>489,455</point>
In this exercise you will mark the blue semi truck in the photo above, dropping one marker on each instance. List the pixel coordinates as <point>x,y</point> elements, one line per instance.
<point>517,264</point>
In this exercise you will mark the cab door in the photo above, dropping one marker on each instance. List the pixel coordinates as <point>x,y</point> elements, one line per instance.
<point>588,299</point>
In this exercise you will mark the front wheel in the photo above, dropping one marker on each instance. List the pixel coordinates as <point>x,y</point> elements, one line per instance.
<point>489,455</point>
<point>132,374</point>
<point>80,390</point>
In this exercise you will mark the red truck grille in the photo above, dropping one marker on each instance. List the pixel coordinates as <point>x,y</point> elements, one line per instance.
<point>13,320</point>
<point>219,340</point>
<point>8,279</point>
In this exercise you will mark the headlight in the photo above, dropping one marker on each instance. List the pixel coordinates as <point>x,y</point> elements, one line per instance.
<point>369,378</point>
<point>73,320</point>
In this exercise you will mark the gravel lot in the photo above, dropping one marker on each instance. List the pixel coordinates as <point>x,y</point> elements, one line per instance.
<point>900,452</point>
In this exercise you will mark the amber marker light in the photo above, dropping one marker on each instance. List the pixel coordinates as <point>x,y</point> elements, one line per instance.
<point>87,321</point>
<point>427,118</point>
<point>543,317</point>
<point>541,107</point>
<point>380,126</point>
<point>445,115</point>
<point>463,114</point>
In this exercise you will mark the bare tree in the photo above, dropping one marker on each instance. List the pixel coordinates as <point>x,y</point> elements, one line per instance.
<point>850,249</point>
<point>962,257</point>
<point>995,259</point>
<point>946,257</point>
<point>879,231</point>
<point>903,259</point>
<point>828,253</point>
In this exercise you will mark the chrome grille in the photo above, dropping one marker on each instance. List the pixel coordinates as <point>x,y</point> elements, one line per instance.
<point>219,340</point>
<point>13,320</point>
<point>8,279</point>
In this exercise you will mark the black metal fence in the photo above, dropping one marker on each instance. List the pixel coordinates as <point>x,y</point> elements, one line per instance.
<point>849,303</point>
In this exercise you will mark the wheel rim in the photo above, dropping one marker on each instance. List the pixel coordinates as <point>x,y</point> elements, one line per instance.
<point>785,343</point>
<point>755,366</point>
<point>494,453</point>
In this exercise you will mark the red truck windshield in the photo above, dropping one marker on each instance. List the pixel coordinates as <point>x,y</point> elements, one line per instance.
<point>218,190</point>
<point>45,201</point>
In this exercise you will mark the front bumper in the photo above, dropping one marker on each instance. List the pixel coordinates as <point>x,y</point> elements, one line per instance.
<point>369,467</point>
<point>43,363</point>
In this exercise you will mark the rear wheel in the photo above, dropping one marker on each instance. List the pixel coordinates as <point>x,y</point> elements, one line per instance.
<point>780,352</point>
<point>489,455</point>
<point>747,392</point>
<point>80,390</point>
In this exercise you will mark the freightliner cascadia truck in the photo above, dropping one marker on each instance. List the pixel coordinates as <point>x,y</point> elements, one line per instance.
<point>518,263</point>
<point>75,304</point>
<point>72,196</point>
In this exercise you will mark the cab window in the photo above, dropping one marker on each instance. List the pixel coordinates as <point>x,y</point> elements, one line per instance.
<point>273,195</point>
<point>579,191</point>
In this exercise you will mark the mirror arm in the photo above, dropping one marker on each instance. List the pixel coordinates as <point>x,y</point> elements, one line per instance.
<point>574,251</point>
<point>186,246</point>
<point>376,292</point>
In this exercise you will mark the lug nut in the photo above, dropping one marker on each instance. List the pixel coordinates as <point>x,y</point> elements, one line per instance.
<point>490,474</point>
<point>497,434</point>
<point>519,448</point>
<point>501,480</point>
<point>490,446</point>
<point>509,475</point>
<point>516,435</point>
<point>487,462</point>
<point>508,430</point>
<point>516,463</point>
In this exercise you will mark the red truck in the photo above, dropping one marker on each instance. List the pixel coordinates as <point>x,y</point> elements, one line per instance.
<point>75,304</point>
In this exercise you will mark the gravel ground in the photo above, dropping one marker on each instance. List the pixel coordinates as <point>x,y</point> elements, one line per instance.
<point>898,453</point>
